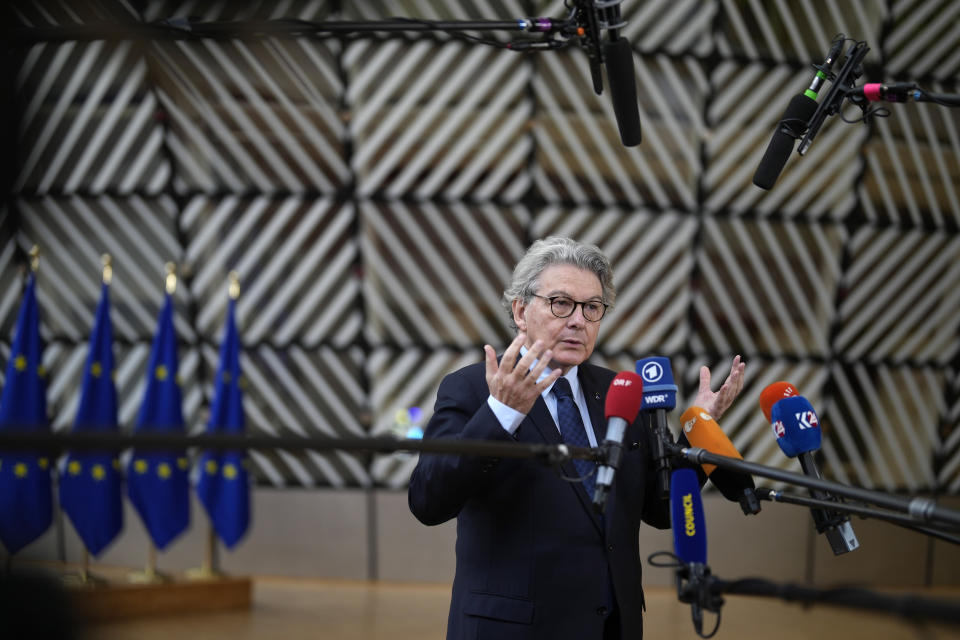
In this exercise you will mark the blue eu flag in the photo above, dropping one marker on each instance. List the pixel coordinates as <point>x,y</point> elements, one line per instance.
<point>26,494</point>
<point>223,487</point>
<point>90,483</point>
<point>157,480</point>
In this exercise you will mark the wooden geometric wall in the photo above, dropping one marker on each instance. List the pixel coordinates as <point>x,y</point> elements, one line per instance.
<point>374,193</point>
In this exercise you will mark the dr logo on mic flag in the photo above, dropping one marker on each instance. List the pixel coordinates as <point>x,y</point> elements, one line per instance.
<point>90,482</point>
<point>223,487</point>
<point>26,496</point>
<point>157,480</point>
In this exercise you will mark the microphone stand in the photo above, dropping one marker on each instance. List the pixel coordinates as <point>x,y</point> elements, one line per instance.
<point>920,510</point>
<point>855,509</point>
<point>40,441</point>
<point>190,29</point>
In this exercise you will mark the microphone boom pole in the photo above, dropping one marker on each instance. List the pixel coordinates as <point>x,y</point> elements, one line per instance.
<point>921,510</point>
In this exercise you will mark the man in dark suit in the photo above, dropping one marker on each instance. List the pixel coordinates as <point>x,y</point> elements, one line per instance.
<point>534,559</point>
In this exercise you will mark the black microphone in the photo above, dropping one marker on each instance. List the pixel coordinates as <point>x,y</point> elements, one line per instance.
<point>624,398</point>
<point>623,90</point>
<point>594,16</point>
<point>794,123</point>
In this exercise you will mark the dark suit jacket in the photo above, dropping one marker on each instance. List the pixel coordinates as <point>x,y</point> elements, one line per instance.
<point>533,558</point>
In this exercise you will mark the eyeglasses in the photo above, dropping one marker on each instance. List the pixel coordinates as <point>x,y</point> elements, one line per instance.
<point>563,307</point>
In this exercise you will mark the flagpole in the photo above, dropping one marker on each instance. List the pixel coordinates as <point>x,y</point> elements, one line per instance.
<point>209,568</point>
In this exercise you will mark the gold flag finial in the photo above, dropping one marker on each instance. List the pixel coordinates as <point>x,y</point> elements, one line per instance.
<point>34,258</point>
<point>234,289</point>
<point>171,277</point>
<point>107,268</point>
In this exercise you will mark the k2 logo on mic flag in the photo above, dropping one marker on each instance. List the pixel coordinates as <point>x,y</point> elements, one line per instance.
<point>90,482</point>
<point>223,487</point>
<point>157,480</point>
<point>26,494</point>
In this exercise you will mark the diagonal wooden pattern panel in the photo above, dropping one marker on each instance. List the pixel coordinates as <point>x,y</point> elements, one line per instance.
<point>253,115</point>
<point>446,120</point>
<point>912,166</point>
<point>766,287</point>
<point>923,39</point>
<point>89,124</point>
<point>579,154</point>
<point>434,274</point>
<point>73,232</point>
<point>652,261</point>
<point>402,379</point>
<point>947,461</point>
<point>899,298</point>
<point>797,31</point>
<point>297,262</point>
<point>881,430</point>
<point>299,392</point>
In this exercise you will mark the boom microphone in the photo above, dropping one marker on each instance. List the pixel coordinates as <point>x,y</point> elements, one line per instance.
<point>794,123</point>
<point>623,89</point>
<point>593,17</point>
<point>797,429</point>
<point>624,398</point>
<point>704,432</point>
<point>659,396</point>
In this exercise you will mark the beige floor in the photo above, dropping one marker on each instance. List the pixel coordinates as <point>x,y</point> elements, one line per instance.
<point>341,610</point>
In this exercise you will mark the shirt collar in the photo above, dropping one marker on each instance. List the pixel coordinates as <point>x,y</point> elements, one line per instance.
<point>571,375</point>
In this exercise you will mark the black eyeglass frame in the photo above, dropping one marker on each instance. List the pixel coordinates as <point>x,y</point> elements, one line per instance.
<point>551,299</point>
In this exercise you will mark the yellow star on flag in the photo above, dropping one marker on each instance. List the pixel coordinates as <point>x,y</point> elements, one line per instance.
<point>20,362</point>
<point>74,468</point>
<point>98,472</point>
<point>163,470</point>
<point>20,470</point>
<point>43,463</point>
<point>96,369</point>
<point>229,471</point>
<point>183,464</point>
<point>140,466</point>
<point>160,372</point>
<point>211,467</point>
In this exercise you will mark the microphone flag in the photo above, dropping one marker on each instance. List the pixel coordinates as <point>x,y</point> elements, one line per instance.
<point>157,480</point>
<point>223,486</point>
<point>26,493</point>
<point>90,482</point>
<point>687,518</point>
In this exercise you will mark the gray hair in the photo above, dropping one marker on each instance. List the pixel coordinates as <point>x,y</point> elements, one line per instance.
<point>548,252</point>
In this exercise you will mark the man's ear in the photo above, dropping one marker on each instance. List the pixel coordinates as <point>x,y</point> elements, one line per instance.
<point>519,311</point>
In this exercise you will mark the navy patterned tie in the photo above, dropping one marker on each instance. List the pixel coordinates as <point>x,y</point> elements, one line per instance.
<point>573,431</point>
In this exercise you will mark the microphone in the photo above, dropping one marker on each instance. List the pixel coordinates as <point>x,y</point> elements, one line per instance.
<point>690,546</point>
<point>624,398</point>
<point>659,396</point>
<point>794,122</point>
<point>703,431</point>
<point>797,428</point>
<point>623,90</point>
<point>774,392</point>
<point>593,16</point>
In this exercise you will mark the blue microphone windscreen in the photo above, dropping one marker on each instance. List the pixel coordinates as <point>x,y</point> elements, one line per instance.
<point>659,391</point>
<point>686,515</point>
<point>796,426</point>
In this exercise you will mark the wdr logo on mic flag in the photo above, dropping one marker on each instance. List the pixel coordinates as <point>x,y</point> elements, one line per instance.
<point>90,482</point>
<point>157,480</point>
<point>223,487</point>
<point>26,494</point>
